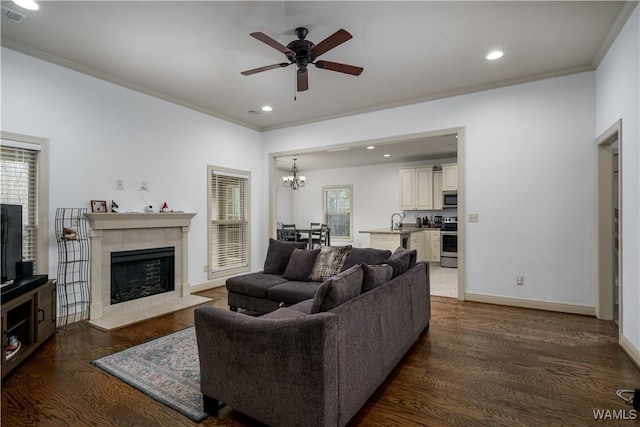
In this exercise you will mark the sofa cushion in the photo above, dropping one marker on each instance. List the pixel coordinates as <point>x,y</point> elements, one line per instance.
<point>338,289</point>
<point>293,292</point>
<point>278,255</point>
<point>375,275</point>
<point>300,264</point>
<point>329,262</point>
<point>303,306</point>
<point>367,255</point>
<point>413,255</point>
<point>399,265</point>
<point>254,284</point>
<point>283,313</point>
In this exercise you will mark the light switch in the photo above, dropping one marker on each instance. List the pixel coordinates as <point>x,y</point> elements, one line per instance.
<point>473,217</point>
<point>120,184</point>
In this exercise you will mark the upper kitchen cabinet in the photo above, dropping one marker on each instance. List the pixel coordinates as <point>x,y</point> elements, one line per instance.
<point>416,188</point>
<point>450,177</point>
<point>437,190</point>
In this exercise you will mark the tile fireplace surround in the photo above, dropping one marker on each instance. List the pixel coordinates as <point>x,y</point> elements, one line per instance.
<point>114,232</point>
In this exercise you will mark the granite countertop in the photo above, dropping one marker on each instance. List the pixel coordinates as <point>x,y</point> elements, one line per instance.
<point>404,230</point>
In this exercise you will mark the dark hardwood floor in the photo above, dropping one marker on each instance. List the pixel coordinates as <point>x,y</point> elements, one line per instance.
<point>479,365</point>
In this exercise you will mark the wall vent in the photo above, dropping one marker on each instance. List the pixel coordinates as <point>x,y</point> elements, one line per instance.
<point>13,15</point>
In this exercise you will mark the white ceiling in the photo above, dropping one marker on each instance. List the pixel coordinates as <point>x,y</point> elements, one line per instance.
<point>192,53</point>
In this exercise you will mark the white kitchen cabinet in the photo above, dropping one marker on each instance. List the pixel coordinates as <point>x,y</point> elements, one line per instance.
<point>450,177</point>
<point>417,242</point>
<point>437,190</point>
<point>432,244</point>
<point>407,180</point>
<point>434,240</point>
<point>416,188</point>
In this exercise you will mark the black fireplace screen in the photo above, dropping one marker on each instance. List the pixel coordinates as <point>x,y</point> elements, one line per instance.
<point>141,273</point>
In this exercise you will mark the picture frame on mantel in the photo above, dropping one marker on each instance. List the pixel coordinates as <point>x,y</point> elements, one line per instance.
<point>99,206</point>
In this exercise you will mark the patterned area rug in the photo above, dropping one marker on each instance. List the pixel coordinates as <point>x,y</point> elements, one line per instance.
<point>167,369</point>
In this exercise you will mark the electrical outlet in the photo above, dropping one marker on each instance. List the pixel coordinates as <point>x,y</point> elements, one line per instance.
<point>473,217</point>
<point>144,186</point>
<point>205,269</point>
<point>120,184</point>
<point>520,280</point>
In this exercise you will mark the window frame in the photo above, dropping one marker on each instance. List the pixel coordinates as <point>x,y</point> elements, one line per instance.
<point>16,140</point>
<point>324,211</point>
<point>225,272</point>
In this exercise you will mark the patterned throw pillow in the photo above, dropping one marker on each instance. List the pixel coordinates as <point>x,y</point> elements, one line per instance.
<point>329,262</point>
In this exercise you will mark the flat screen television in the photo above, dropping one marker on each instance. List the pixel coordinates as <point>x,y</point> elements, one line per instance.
<point>11,240</point>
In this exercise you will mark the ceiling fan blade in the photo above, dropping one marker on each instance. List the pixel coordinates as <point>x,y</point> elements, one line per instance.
<point>332,41</point>
<point>303,79</point>
<point>265,68</point>
<point>341,68</point>
<point>271,42</point>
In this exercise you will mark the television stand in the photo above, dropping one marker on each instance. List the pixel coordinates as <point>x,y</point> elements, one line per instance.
<point>28,319</point>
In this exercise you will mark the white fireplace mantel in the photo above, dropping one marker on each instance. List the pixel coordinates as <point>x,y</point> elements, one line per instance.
<point>113,232</point>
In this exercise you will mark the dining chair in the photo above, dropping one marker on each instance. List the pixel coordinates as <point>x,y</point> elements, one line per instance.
<point>289,233</point>
<point>319,234</point>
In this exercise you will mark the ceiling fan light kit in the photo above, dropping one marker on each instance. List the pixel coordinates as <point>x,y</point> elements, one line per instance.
<point>303,52</point>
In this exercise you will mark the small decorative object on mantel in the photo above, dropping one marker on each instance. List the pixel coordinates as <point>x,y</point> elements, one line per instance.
<point>114,206</point>
<point>164,208</point>
<point>69,234</point>
<point>148,209</point>
<point>99,206</point>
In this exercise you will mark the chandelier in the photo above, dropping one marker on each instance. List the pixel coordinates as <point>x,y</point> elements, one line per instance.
<point>294,181</point>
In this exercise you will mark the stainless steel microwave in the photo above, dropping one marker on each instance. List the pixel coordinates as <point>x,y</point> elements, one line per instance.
<point>450,200</point>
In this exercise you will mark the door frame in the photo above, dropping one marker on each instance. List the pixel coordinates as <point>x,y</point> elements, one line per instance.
<point>604,232</point>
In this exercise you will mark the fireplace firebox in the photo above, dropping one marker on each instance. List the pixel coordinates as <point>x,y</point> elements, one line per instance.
<point>141,273</point>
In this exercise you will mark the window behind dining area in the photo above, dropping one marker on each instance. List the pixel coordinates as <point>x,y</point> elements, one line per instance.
<point>337,203</point>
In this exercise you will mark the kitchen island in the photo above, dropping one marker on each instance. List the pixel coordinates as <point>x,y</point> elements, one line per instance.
<point>420,239</point>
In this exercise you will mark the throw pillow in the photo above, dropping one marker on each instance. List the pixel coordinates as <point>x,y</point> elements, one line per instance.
<point>337,290</point>
<point>400,264</point>
<point>300,264</point>
<point>375,275</point>
<point>278,255</point>
<point>329,262</point>
<point>413,255</point>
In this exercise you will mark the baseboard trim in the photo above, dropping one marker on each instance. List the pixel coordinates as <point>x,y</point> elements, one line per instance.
<point>205,286</point>
<point>630,350</point>
<point>535,304</point>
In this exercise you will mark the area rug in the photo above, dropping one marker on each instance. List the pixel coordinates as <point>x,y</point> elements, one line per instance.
<point>167,369</point>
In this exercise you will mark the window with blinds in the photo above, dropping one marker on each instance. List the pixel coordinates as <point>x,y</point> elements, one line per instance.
<point>18,186</point>
<point>337,201</point>
<point>229,221</point>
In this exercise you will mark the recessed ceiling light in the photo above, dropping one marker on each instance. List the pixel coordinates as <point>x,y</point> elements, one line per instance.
<point>27,4</point>
<point>371,147</point>
<point>267,108</point>
<point>387,155</point>
<point>494,55</point>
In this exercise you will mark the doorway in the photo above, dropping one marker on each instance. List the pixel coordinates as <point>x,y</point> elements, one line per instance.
<point>609,304</point>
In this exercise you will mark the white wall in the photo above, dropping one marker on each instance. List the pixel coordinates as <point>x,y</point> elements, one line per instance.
<point>375,197</point>
<point>529,176</point>
<point>100,132</point>
<point>617,97</point>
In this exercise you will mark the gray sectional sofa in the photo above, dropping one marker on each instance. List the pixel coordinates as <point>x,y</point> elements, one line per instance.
<point>316,362</point>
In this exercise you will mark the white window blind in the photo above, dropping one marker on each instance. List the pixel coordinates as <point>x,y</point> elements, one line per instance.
<point>337,211</point>
<point>229,213</point>
<point>18,186</point>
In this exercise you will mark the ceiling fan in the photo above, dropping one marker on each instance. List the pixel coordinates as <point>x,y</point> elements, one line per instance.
<point>303,52</point>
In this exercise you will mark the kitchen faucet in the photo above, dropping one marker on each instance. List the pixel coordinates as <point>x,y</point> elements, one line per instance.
<point>393,225</point>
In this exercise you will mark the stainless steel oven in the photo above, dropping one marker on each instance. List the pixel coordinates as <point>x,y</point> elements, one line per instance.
<point>449,243</point>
